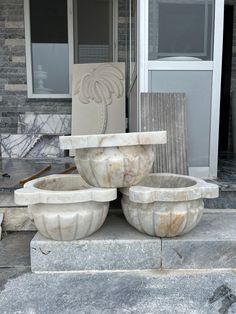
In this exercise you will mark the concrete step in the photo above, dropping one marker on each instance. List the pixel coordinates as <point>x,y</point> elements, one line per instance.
<point>118,246</point>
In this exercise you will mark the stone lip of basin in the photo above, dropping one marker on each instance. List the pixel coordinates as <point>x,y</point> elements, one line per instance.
<point>166,205</point>
<point>62,188</point>
<point>112,140</point>
<point>114,160</point>
<point>64,207</point>
<point>167,187</point>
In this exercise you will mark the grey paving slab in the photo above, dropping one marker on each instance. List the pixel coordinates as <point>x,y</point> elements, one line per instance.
<point>15,249</point>
<point>212,244</point>
<point>115,246</point>
<point>116,293</point>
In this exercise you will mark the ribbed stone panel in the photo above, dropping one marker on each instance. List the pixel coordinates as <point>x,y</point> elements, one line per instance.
<point>167,111</point>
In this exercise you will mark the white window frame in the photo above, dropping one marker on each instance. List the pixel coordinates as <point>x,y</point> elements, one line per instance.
<point>31,94</point>
<point>70,19</point>
<point>215,66</point>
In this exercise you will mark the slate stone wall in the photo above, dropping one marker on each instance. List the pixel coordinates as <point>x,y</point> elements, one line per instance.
<point>14,103</point>
<point>13,71</point>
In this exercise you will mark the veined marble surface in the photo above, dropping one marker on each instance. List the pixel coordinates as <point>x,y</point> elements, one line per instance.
<point>112,140</point>
<point>166,205</point>
<point>65,207</point>
<point>30,146</point>
<point>31,123</point>
<point>167,187</point>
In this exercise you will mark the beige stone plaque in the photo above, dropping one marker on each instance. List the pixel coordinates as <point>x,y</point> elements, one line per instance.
<point>98,98</point>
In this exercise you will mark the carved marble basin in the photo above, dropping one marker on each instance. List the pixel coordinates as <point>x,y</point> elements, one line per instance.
<point>65,207</point>
<point>113,160</point>
<point>166,205</point>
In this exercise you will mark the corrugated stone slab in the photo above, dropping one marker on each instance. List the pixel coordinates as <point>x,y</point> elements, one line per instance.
<point>167,111</point>
<point>212,244</point>
<point>116,246</point>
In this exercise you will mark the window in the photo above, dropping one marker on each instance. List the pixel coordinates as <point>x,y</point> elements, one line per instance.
<point>93,31</point>
<point>47,48</point>
<point>182,28</point>
<point>62,32</point>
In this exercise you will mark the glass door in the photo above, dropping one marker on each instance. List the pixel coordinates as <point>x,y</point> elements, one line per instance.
<point>181,52</point>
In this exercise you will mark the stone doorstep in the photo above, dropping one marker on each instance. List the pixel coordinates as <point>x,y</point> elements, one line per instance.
<point>118,246</point>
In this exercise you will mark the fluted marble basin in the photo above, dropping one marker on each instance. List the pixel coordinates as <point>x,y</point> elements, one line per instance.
<point>166,205</point>
<point>65,207</point>
<point>113,160</point>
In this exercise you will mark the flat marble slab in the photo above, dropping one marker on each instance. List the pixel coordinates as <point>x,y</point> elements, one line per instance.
<point>111,140</point>
<point>212,244</point>
<point>116,246</point>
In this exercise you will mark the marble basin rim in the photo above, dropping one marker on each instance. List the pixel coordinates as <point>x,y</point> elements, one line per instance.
<point>166,187</point>
<point>166,205</point>
<point>64,207</point>
<point>114,160</point>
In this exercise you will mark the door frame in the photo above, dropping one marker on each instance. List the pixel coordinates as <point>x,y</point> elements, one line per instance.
<point>144,66</point>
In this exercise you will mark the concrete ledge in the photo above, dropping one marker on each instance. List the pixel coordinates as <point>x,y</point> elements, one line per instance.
<point>116,246</point>
<point>212,244</point>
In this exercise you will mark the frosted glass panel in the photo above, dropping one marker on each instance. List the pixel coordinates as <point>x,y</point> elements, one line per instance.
<point>50,68</point>
<point>197,85</point>
<point>180,28</point>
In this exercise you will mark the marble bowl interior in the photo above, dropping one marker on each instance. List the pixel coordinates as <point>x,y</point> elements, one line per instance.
<point>62,184</point>
<point>167,182</point>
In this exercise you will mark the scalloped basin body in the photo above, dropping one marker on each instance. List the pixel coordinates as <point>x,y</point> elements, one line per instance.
<point>114,160</point>
<point>65,207</point>
<point>166,205</point>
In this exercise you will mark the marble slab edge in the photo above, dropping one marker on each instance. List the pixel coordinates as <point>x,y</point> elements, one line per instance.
<point>111,140</point>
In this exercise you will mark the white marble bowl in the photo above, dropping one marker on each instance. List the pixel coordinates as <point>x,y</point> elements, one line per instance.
<point>65,207</point>
<point>114,160</point>
<point>166,205</point>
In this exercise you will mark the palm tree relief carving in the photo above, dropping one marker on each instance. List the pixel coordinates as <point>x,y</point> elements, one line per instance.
<point>99,86</point>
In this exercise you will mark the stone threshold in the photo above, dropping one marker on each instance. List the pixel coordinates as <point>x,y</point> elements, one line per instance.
<point>118,246</point>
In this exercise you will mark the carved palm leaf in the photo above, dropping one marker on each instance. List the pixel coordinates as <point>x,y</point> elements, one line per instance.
<point>100,84</point>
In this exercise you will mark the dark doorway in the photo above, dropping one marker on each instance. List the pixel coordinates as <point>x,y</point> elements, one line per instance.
<point>224,144</point>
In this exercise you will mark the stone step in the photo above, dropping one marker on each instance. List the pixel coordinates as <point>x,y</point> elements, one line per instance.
<point>118,246</point>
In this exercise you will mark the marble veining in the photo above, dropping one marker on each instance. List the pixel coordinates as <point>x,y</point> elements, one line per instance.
<point>166,205</point>
<point>31,123</point>
<point>114,160</point>
<point>112,140</point>
<point>30,146</point>
<point>65,207</point>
